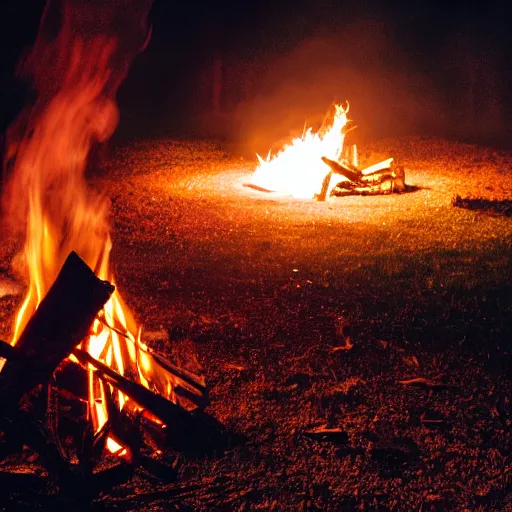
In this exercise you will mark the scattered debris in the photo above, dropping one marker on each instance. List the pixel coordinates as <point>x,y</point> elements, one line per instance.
<point>424,383</point>
<point>411,361</point>
<point>433,419</point>
<point>348,345</point>
<point>334,435</point>
<point>237,367</point>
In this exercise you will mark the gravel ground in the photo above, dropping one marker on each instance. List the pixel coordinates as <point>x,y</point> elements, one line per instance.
<point>306,314</point>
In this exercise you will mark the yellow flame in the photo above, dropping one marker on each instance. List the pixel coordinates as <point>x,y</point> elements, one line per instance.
<point>298,169</point>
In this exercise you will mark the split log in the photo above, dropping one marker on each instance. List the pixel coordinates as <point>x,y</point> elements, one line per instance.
<point>59,324</point>
<point>380,178</point>
<point>351,173</point>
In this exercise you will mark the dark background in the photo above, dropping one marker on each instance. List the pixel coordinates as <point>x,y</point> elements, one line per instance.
<point>406,68</point>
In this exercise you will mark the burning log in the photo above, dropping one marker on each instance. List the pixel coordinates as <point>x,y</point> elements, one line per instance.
<point>183,430</point>
<point>352,174</point>
<point>59,324</point>
<point>155,422</point>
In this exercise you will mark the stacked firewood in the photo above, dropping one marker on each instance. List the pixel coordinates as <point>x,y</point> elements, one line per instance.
<point>39,370</point>
<point>382,178</point>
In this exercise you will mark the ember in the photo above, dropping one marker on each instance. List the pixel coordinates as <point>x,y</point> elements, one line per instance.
<point>69,315</point>
<point>315,166</point>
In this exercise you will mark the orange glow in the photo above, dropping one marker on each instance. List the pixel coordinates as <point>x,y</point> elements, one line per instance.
<point>298,169</point>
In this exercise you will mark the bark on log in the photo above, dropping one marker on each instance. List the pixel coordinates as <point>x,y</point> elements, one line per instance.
<point>60,322</point>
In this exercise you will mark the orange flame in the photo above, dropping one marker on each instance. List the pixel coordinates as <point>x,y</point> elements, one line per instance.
<point>48,152</point>
<point>297,169</point>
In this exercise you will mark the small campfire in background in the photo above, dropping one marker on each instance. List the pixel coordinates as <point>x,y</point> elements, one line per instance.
<point>76,380</point>
<point>317,166</point>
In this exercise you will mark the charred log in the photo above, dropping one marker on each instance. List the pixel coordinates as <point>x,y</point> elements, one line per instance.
<point>58,325</point>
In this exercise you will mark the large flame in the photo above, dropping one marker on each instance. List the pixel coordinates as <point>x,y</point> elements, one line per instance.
<point>298,169</point>
<point>76,74</point>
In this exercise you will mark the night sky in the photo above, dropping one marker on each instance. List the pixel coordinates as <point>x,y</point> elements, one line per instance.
<point>423,67</point>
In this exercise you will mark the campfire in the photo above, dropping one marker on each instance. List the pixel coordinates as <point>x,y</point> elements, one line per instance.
<point>75,341</point>
<point>317,166</point>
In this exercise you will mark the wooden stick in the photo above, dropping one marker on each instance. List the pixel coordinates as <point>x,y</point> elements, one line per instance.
<point>171,414</point>
<point>180,373</point>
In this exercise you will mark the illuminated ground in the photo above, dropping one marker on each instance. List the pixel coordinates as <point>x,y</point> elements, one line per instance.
<point>261,289</point>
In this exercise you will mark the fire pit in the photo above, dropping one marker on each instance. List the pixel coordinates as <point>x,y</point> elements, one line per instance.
<point>316,166</point>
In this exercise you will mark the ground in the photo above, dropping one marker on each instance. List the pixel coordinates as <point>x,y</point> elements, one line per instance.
<point>305,314</point>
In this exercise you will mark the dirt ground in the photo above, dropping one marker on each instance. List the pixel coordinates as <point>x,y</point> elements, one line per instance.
<point>305,314</point>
